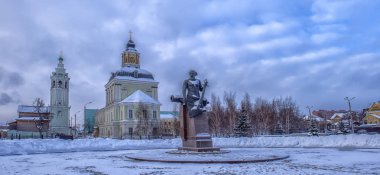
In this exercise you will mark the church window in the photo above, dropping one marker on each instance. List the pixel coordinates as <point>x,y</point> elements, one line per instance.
<point>60,84</point>
<point>154,114</point>
<point>130,131</point>
<point>135,74</point>
<point>145,114</point>
<point>130,114</point>
<point>155,131</point>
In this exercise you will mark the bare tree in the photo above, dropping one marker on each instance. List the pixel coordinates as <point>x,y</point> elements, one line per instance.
<point>42,120</point>
<point>231,112</point>
<point>215,115</point>
<point>142,127</point>
<point>264,114</point>
<point>176,123</point>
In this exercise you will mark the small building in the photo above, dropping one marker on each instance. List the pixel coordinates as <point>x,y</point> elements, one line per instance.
<point>89,120</point>
<point>373,114</point>
<point>169,123</point>
<point>30,120</point>
<point>337,117</point>
<point>371,119</point>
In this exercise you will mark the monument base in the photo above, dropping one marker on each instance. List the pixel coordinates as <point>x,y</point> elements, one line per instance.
<point>204,149</point>
<point>199,143</point>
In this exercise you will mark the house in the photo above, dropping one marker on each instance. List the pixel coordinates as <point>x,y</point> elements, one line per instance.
<point>30,122</point>
<point>373,114</point>
<point>169,123</point>
<point>337,117</point>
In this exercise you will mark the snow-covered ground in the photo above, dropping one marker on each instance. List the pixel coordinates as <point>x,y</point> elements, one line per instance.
<point>327,161</point>
<point>31,146</point>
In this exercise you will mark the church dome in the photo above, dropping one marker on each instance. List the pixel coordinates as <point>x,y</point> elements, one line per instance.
<point>132,73</point>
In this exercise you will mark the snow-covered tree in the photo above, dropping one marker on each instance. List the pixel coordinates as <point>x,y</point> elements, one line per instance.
<point>241,126</point>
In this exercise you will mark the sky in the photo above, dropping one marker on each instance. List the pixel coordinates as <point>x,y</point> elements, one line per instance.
<point>317,52</point>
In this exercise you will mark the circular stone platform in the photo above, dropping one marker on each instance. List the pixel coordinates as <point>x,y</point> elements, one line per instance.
<point>226,156</point>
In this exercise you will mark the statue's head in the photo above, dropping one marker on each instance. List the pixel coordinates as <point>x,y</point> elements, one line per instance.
<point>193,73</point>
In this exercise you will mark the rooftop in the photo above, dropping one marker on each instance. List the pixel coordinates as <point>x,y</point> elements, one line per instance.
<point>140,97</point>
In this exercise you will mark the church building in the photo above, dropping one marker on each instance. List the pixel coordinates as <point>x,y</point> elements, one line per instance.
<point>53,119</point>
<point>59,99</point>
<point>132,108</point>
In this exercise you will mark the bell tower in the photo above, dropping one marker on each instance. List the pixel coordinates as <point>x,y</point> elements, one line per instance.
<point>59,99</point>
<point>130,56</point>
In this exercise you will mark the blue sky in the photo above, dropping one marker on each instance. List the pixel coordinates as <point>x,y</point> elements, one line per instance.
<point>318,52</point>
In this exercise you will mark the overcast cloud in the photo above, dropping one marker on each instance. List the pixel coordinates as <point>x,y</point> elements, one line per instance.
<point>318,52</point>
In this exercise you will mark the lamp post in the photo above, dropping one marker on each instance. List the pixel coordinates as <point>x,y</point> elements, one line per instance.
<point>349,111</point>
<point>75,122</point>
<point>84,117</point>
<point>310,118</point>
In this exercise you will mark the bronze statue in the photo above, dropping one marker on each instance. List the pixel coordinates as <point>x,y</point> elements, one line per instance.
<point>191,94</point>
<point>193,119</point>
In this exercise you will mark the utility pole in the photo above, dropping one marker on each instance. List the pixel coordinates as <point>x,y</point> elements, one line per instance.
<point>84,117</point>
<point>287,120</point>
<point>310,118</point>
<point>75,122</point>
<point>350,112</point>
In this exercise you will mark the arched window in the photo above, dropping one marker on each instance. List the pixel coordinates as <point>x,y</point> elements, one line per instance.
<point>66,85</point>
<point>52,84</point>
<point>60,84</point>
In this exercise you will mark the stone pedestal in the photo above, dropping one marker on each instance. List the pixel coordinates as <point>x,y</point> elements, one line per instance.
<point>195,132</point>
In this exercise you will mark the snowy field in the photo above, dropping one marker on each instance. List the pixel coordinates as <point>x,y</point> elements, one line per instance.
<point>31,146</point>
<point>338,154</point>
<point>302,161</point>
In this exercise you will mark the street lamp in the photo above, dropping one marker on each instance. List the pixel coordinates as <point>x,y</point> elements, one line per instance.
<point>310,118</point>
<point>84,116</point>
<point>349,111</point>
<point>75,122</point>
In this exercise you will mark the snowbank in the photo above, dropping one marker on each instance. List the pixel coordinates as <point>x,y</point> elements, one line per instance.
<point>33,146</point>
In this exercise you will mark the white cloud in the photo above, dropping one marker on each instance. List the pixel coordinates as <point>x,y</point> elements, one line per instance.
<point>321,38</point>
<point>274,44</point>
<point>266,48</point>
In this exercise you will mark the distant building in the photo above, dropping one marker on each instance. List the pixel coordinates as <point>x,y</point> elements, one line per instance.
<point>89,120</point>
<point>132,107</point>
<point>327,114</point>
<point>55,118</point>
<point>169,123</point>
<point>373,114</point>
<point>26,125</point>
<point>337,117</point>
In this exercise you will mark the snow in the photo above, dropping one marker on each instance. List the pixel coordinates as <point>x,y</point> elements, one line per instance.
<point>301,161</point>
<point>135,79</point>
<point>33,146</point>
<point>167,116</point>
<point>375,115</point>
<point>32,109</point>
<point>341,115</point>
<point>140,97</point>
<point>317,118</point>
<point>30,118</point>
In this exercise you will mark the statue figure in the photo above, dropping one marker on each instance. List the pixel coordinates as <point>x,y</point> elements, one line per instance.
<point>193,119</point>
<point>191,94</point>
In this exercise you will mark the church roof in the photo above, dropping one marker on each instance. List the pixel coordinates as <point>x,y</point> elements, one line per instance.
<point>168,114</point>
<point>375,107</point>
<point>132,73</point>
<point>140,97</point>
<point>32,109</point>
